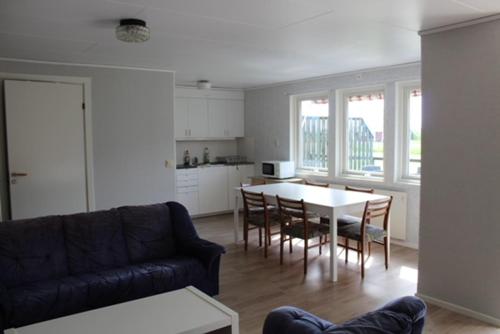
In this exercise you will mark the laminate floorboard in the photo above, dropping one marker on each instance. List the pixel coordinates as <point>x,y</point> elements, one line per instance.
<point>253,285</point>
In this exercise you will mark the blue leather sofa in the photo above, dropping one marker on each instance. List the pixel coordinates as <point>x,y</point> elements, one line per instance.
<point>402,316</point>
<point>59,265</point>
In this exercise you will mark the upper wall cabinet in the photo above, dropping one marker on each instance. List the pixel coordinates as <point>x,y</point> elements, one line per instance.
<point>213,114</point>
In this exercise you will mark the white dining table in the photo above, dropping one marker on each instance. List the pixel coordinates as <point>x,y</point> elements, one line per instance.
<point>322,201</point>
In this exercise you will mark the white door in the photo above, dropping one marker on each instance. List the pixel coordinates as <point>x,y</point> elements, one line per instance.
<point>181,117</point>
<point>198,118</point>
<point>46,148</point>
<point>217,118</point>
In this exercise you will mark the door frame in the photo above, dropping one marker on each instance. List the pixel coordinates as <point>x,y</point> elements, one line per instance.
<point>86,83</point>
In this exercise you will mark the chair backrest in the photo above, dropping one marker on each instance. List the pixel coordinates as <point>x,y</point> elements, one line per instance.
<point>361,190</point>
<point>290,209</point>
<point>375,209</point>
<point>252,200</point>
<point>317,184</point>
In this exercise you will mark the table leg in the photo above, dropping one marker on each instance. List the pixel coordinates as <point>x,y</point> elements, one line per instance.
<point>236,218</point>
<point>333,245</point>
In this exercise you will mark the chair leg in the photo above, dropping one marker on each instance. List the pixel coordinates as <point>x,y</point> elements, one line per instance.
<point>305,256</point>
<point>362,259</point>
<point>260,237</point>
<point>281,247</point>
<point>245,234</point>
<point>358,250</point>
<point>291,246</point>
<point>386,253</point>
<point>266,233</point>
<point>346,250</point>
<point>320,243</point>
<point>369,249</point>
<point>269,235</point>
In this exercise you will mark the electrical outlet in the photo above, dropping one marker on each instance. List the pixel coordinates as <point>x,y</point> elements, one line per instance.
<point>168,163</point>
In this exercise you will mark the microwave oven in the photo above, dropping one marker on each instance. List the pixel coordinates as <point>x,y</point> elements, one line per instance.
<point>278,169</point>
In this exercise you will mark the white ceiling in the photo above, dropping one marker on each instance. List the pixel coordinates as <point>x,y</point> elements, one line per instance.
<point>234,43</point>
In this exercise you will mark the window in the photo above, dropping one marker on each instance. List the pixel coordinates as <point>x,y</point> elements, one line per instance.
<point>312,132</point>
<point>412,131</point>
<point>363,133</point>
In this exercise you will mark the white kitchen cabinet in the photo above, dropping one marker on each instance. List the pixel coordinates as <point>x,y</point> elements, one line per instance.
<point>190,200</point>
<point>198,117</point>
<point>213,189</point>
<point>187,181</point>
<point>181,117</point>
<point>191,118</point>
<point>217,118</point>
<point>235,118</point>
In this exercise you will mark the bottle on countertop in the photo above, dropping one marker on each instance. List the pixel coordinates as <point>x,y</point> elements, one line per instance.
<point>206,156</point>
<point>187,159</point>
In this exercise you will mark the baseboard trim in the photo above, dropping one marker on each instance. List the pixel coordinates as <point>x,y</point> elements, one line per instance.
<point>460,309</point>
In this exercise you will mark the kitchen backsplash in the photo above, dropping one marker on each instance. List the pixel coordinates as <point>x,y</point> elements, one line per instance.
<point>216,148</point>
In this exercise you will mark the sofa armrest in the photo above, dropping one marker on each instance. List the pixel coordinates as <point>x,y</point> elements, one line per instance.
<point>403,315</point>
<point>292,320</point>
<point>207,252</point>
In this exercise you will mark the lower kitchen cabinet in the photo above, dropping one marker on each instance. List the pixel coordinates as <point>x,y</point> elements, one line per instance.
<point>207,190</point>
<point>213,189</point>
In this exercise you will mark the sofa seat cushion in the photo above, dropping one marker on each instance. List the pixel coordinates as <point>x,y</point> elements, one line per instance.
<point>95,241</point>
<point>141,280</point>
<point>46,300</point>
<point>148,231</point>
<point>32,250</point>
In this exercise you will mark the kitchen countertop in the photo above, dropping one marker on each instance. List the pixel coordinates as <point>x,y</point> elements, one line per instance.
<point>212,164</point>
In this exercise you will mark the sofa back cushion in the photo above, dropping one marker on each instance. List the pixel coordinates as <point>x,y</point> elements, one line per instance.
<point>148,231</point>
<point>32,250</point>
<point>95,241</point>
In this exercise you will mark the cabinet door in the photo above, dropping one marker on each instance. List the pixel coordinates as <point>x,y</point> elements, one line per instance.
<point>181,117</point>
<point>217,122</point>
<point>233,181</point>
<point>235,118</point>
<point>190,200</point>
<point>198,117</point>
<point>213,185</point>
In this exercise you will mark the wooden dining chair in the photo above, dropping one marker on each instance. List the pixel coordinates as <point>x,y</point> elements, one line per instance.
<point>365,233</point>
<point>295,223</point>
<point>361,190</point>
<point>316,184</point>
<point>258,214</point>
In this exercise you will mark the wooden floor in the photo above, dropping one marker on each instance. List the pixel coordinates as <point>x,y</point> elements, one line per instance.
<point>253,286</point>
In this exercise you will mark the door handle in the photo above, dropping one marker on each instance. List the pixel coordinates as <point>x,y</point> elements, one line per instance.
<point>15,174</point>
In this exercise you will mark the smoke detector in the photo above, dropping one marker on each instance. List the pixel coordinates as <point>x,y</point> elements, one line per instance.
<point>204,84</point>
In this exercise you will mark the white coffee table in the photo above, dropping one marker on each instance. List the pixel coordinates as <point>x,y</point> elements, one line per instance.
<point>187,311</point>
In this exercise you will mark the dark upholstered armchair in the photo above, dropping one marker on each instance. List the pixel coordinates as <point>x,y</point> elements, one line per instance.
<point>403,316</point>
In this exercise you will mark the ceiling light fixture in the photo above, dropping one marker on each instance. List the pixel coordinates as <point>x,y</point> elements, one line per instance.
<point>204,84</point>
<point>132,31</point>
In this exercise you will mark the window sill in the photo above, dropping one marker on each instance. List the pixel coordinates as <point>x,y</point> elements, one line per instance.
<point>409,182</point>
<point>367,179</point>
<point>305,172</point>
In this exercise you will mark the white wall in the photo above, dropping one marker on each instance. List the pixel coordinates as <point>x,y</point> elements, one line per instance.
<point>133,133</point>
<point>267,122</point>
<point>460,229</point>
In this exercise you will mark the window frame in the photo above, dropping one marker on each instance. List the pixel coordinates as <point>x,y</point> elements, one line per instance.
<point>404,90</point>
<point>342,129</point>
<point>297,133</point>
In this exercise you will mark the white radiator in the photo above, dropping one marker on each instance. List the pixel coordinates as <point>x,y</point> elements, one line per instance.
<point>397,215</point>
